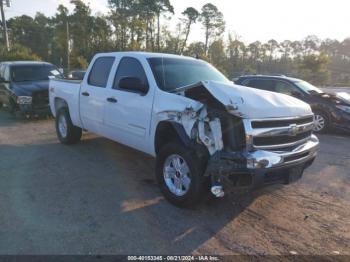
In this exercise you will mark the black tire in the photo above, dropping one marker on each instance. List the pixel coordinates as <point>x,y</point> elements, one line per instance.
<point>321,116</point>
<point>1,105</point>
<point>199,185</point>
<point>73,133</point>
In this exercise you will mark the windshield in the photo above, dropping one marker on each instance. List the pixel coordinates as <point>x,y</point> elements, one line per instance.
<point>21,73</point>
<point>308,88</point>
<point>172,73</point>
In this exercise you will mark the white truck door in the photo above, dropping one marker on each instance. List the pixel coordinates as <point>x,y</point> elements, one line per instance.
<point>93,94</point>
<point>128,111</point>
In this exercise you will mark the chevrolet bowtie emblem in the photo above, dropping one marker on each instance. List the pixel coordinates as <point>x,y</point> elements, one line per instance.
<point>293,130</point>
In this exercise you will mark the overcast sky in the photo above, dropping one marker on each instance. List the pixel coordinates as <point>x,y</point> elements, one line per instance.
<point>251,19</point>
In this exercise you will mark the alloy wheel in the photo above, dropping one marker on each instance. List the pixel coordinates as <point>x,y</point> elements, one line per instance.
<point>177,175</point>
<point>319,123</point>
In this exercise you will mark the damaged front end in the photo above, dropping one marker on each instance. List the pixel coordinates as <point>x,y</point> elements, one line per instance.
<point>245,149</point>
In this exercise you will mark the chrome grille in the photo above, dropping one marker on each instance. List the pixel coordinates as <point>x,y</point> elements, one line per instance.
<point>40,99</point>
<point>278,133</point>
<point>281,122</point>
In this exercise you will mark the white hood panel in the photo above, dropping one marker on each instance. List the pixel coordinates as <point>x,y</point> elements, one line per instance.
<point>254,103</point>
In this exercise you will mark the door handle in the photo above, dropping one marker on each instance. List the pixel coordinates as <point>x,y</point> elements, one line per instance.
<point>85,94</point>
<point>112,100</point>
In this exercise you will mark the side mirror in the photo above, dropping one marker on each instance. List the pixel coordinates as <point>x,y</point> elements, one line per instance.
<point>133,84</point>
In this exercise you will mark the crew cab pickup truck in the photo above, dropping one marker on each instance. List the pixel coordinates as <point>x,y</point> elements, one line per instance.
<point>206,133</point>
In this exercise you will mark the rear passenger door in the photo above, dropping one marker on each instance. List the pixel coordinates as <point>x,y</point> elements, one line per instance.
<point>93,94</point>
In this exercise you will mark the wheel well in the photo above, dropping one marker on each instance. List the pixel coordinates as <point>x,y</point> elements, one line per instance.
<point>60,103</point>
<point>169,132</point>
<point>321,110</point>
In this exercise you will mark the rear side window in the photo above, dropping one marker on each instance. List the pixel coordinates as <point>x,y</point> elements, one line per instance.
<point>100,71</point>
<point>267,85</point>
<point>130,67</point>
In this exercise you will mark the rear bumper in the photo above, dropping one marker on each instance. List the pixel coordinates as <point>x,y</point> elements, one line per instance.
<point>258,168</point>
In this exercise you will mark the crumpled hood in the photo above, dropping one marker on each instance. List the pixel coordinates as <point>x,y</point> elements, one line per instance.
<point>339,98</point>
<point>27,88</point>
<point>254,103</point>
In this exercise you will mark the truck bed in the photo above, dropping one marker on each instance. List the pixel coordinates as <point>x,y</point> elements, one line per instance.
<point>68,90</point>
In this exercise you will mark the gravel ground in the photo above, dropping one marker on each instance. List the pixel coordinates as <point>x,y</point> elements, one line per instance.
<point>99,197</point>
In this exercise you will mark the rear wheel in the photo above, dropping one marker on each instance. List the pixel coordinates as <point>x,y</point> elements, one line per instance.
<point>321,123</point>
<point>67,133</point>
<point>180,175</point>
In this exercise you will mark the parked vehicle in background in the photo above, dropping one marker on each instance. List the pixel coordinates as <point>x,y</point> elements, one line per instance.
<point>24,86</point>
<point>76,74</point>
<point>331,110</point>
<point>206,133</point>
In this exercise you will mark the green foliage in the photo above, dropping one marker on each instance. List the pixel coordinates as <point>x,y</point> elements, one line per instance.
<point>191,16</point>
<point>217,55</point>
<point>79,62</point>
<point>213,23</point>
<point>33,33</point>
<point>196,49</point>
<point>16,53</point>
<point>136,25</point>
<point>313,68</point>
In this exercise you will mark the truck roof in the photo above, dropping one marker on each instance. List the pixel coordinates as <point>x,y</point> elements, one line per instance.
<point>25,63</point>
<point>280,77</point>
<point>147,54</point>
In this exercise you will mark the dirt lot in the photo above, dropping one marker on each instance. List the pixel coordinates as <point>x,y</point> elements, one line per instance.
<point>99,197</point>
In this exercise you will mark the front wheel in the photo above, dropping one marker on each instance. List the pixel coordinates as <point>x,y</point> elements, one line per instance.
<point>321,122</point>
<point>180,175</point>
<point>67,133</point>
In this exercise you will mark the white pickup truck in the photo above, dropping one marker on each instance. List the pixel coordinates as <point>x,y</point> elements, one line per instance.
<point>206,133</point>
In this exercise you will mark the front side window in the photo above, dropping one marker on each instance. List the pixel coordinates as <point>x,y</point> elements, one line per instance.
<point>100,71</point>
<point>285,88</point>
<point>172,73</point>
<point>23,73</point>
<point>130,67</point>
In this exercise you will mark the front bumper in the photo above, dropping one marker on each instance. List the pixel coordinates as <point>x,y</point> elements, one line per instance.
<point>29,109</point>
<point>260,167</point>
<point>271,159</point>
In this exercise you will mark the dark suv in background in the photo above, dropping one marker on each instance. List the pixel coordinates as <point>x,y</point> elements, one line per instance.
<point>24,86</point>
<point>331,110</point>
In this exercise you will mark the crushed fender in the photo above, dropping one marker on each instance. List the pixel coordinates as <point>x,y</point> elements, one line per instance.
<point>198,126</point>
